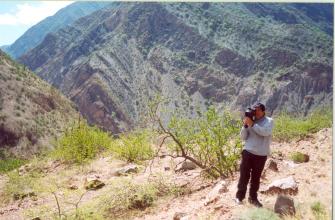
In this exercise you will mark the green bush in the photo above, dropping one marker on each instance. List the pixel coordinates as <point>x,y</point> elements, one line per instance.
<point>18,187</point>
<point>81,143</point>
<point>289,127</point>
<point>298,157</point>
<point>134,146</point>
<point>259,214</point>
<point>318,209</point>
<point>127,196</point>
<point>10,164</point>
<point>211,139</point>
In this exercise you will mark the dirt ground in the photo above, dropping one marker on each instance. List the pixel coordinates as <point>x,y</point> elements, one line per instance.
<point>314,180</point>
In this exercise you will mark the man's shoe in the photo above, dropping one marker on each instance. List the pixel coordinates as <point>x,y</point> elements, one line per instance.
<point>238,201</point>
<point>255,202</point>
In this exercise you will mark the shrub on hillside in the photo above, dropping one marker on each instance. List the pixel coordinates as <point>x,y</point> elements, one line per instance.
<point>133,147</point>
<point>318,210</point>
<point>299,157</point>
<point>128,195</point>
<point>289,127</point>
<point>211,140</point>
<point>10,164</point>
<point>81,143</point>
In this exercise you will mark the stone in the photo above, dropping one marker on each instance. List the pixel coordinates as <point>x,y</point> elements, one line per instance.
<point>132,168</point>
<point>214,194</point>
<point>179,216</point>
<point>94,184</point>
<point>218,207</point>
<point>73,187</point>
<point>272,165</point>
<point>284,205</point>
<point>291,164</point>
<point>284,186</point>
<point>18,196</point>
<point>186,165</point>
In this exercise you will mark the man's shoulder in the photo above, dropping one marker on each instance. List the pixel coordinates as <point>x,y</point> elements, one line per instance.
<point>268,119</point>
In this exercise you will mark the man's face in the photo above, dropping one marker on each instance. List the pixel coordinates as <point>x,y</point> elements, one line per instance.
<point>259,113</point>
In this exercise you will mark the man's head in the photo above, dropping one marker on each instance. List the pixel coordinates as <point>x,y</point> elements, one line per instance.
<point>259,110</point>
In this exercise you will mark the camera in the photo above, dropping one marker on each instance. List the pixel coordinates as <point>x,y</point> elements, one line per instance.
<point>250,113</point>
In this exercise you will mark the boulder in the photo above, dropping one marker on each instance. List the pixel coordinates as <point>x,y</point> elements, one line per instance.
<point>284,186</point>
<point>132,168</point>
<point>180,216</point>
<point>186,165</point>
<point>272,165</point>
<point>73,187</point>
<point>284,205</point>
<point>215,193</point>
<point>94,184</point>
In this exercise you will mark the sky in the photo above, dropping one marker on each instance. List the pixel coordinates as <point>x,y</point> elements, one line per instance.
<point>18,16</point>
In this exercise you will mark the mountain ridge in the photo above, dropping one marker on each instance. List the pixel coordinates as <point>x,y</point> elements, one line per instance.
<point>190,52</point>
<point>65,16</point>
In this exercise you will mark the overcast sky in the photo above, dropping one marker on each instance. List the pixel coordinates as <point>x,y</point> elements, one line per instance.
<point>18,16</point>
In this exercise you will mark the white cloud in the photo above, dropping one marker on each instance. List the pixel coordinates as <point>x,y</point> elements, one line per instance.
<point>27,14</point>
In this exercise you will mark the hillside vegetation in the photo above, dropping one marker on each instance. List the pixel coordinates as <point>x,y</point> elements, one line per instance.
<point>32,113</point>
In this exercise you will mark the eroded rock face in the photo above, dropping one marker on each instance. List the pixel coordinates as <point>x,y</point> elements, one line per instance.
<point>114,66</point>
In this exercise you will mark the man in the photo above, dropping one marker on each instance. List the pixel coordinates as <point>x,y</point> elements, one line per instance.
<point>257,135</point>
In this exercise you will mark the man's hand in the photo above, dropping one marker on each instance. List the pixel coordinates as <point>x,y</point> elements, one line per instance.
<point>248,121</point>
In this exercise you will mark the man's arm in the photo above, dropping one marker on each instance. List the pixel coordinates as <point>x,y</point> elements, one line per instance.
<point>265,130</point>
<point>244,133</point>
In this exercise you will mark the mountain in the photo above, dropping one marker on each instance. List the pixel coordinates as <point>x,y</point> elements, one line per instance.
<point>4,47</point>
<point>32,113</point>
<point>34,35</point>
<point>111,62</point>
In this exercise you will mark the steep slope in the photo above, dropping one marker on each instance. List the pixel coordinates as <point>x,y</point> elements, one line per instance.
<point>32,113</point>
<point>34,35</point>
<point>113,61</point>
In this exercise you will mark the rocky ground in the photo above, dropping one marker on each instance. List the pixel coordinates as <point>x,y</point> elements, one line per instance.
<point>204,199</point>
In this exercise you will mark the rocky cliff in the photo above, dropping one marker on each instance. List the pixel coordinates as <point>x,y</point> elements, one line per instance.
<point>111,62</point>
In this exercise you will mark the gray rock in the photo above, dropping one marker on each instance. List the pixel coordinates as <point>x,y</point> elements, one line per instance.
<point>132,168</point>
<point>215,193</point>
<point>179,216</point>
<point>186,165</point>
<point>284,186</point>
<point>73,187</point>
<point>272,165</point>
<point>94,184</point>
<point>284,205</point>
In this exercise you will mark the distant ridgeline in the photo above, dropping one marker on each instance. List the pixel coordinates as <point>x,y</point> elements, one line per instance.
<point>112,61</point>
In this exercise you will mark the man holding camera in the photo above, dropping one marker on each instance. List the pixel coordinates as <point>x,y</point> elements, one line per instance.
<point>257,134</point>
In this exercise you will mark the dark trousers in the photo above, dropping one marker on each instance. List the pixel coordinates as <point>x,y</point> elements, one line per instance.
<point>254,165</point>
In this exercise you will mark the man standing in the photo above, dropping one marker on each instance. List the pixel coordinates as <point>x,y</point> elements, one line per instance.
<point>257,134</point>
